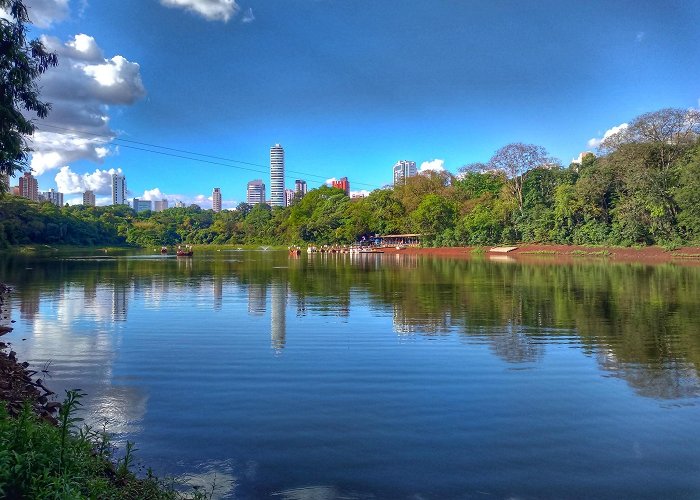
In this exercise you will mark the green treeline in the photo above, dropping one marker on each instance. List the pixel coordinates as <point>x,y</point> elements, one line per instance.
<point>643,190</point>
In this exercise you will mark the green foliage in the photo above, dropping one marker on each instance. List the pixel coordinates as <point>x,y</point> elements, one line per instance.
<point>21,63</point>
<point>642,192</point>
<point>42,460</point>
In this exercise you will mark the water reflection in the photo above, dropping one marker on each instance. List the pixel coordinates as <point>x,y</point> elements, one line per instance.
<point>382,356</point>
<point>640,322</point>
<point>278,315</point>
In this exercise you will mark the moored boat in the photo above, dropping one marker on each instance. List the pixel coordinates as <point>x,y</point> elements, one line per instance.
<point>184,252</point>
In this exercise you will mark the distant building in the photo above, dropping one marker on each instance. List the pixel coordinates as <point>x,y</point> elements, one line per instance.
<point>89,198</point>
<point>288,197</point>
<point>216,200</point>
<point>29,187</point>
<point>179,204</point>
<point>300,187</point>
<point>277,176</point>
<point>142,205</point>
<point>403,170</point>
<point>344,184</point>
<point>256,192</point>
<point>119,190</point>
<point>54,197</point>
<point>160,205</point>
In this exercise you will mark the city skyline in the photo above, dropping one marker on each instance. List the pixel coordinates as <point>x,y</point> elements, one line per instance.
<point>357,93</point>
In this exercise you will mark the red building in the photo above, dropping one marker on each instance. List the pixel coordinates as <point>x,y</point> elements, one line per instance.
<point>343,184</point>
<point>29,187</point>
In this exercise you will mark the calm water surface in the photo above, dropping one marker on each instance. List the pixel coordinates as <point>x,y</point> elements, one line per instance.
<point>378,376</point>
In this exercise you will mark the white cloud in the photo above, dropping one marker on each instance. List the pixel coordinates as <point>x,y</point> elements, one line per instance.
<point>153,194</point>
<point>212,10</point>
<point>81,89</point>
<point>248,16</point>
<point>329,182</point>
<point>435,165</point>
<point>99,181</point>
<point>362,193</point>
<point>51,150</point>
<point>595,142</point>
<point>44,13</point>
<point>640,36</point>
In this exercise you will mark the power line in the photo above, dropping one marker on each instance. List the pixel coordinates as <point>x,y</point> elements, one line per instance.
<point>71,132</point>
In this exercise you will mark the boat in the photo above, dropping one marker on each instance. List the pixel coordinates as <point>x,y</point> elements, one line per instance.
<point>163,249</point>
<point>184,252</point>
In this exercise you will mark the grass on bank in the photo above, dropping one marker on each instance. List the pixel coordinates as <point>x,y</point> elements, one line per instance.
<point>41,460</point>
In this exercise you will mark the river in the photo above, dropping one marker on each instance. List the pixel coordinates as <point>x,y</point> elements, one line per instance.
<point>377,376</point>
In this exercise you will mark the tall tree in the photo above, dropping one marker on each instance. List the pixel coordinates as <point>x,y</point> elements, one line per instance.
<point>21,64</point>
<point>514,160</point>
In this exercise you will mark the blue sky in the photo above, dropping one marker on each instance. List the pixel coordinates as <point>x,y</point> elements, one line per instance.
<point>348,87</point>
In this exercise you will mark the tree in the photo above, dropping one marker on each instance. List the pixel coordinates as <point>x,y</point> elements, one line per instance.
<point>672,130</point>
<point>21,64</point>
<point>516,159</point>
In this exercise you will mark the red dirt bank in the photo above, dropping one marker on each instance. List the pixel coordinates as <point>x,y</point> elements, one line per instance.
<point>566,253</point>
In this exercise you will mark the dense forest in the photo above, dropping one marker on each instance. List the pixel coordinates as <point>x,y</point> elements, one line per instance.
<point>642,188</point>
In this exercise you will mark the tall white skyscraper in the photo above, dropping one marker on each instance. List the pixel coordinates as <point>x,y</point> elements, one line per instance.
<point>277,176</point>
<point>119,190</point>
<point>403,170</point>
<point>216,200</point>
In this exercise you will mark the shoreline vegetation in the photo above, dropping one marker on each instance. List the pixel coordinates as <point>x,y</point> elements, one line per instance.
<point>643,190</point>
<point>46,451</point>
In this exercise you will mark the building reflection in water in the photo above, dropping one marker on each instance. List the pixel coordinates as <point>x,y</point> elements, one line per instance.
<point>218,292</point>
<point>120,301</point>
<point>257,300</point>
<point>278,315</point>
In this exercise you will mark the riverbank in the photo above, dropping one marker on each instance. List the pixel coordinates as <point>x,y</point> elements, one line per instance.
<point>562,253</point>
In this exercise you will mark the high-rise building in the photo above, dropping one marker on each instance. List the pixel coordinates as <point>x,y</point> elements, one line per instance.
<point>160,205</point>
<point>403,170</point>
<point>276,176</point>
<point>256,192</point>
<point>288,197</point>
<point>179,204</point>
<point>216,200</point>
<point>142,205</point>
<point>29,187</point>
<point>119,190</point>
<point>89,198</point>
<point>300,187</point>
<point>344,184</point>
<point>54,197</point>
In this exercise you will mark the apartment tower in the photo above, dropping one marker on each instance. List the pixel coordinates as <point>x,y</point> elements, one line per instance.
<point>256,192</point>
<point>344,184</point>
<point>277,176</point>
<point>216,200</point>
<point>119,190</point>
<point>29,187</point>
<point>300,187</point>
<point>403,170</point>
<point>89,198</point>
